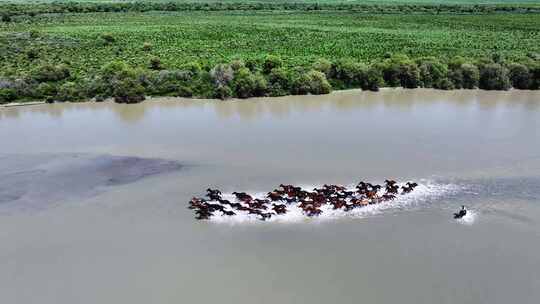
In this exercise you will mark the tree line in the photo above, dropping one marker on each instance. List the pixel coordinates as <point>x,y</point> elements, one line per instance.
<point>268,76</point>
<point>8,11</point>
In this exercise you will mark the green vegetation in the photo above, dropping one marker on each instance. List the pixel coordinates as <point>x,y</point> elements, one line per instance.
<point>370,2</point>
<point>267,77</point>
<point>22,8</point>
<point>80,50</point>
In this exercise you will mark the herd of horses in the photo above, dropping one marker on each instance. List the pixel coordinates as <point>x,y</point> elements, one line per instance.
<point>280,200</point>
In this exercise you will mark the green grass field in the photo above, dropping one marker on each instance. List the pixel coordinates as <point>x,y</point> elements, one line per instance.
<point>298,37</point>
<point>60,50</point>
<point>298,1</point>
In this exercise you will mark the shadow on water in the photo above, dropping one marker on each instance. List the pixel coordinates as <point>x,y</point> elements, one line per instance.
<point>36,181</point>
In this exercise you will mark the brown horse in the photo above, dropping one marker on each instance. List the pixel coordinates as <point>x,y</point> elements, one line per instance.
<point>196,203</point>
<point>279,209</point>
<point>274,196</point>
<point>243,197</point>
<point>312,211</point>
<point>213,194</point>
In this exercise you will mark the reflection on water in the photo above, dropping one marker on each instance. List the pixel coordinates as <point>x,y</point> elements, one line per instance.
<point>282,106</point>
<point>395,132</point>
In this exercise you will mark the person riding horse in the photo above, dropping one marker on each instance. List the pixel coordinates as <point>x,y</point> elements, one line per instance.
<point>461,213</point>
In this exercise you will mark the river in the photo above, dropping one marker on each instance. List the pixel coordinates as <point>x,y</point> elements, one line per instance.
<point>93,199</point>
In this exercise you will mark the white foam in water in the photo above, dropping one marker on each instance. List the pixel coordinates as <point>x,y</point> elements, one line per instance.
<point>469,218</point>
<point>425,192</point>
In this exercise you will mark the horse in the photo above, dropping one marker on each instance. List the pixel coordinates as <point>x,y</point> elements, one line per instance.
<point>243,197</point>
<point>213,194</point>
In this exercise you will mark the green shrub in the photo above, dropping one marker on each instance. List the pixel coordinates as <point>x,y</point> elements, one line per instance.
<point>497,58</point>
<point>95,87</point>
<point>279,82</point>
<point>470,76</point>
<point>69,91</point>
<point>271,62</point>
<point>192,67</point>
<point>409,76</point>
<point>123,83</point>
<point>323,65</point>
<point>464,76</point>
<point>374,79</point>
<point>311,82</point>
<point>444,84</point>
<point>535,76</point>
<point>300,84</point>
<point>5,18</point>
<point>183,91</point>
<point>432,72</point>
<point>223,92</point>
<point>147,46</point>
<point>108,38</point>
<point>254,64</point>
<point>50,72</point>
<point>456,77</point>
<point>32,54</point>
<point>222,74</point>
<point>203,85</point>
<point>391,75</point>
<point>171,82</point>
<point>7,95</point>
<point>519,76</point>
<point>114,69</point>
<point>281,77</point>
<point>245,84</point>
<point>128,90</point>
<point>155,63</point>
<point>494,77</point>
<point>237,65</point>
<point>456,62</point>
<point>24,88</point>
<point>33,34</point>
<point>393,70</point>
<point>349,73</point>
<point>46,89</point>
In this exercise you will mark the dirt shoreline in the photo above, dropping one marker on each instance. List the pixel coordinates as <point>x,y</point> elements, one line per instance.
<point>150,98</point>
<point>20,104</point>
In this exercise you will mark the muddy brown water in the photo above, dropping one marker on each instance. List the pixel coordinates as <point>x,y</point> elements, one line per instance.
<point>93,200</point>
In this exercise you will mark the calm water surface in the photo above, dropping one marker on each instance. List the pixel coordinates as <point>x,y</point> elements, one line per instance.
<point>93,200</point>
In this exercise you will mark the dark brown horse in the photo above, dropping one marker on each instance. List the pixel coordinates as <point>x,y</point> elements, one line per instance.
<point>243,197</point>
<point>213,194</point>
<point>279,209</point>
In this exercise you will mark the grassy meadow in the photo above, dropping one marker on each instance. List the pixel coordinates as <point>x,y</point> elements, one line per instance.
<point>298,37</point>
<point>431,2</point>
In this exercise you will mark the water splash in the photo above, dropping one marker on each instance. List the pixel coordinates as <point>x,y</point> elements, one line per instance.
<point>426,192</point>
<point>469,218</point>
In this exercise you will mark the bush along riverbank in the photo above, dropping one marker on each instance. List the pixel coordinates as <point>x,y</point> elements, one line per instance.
<point>268,76</point>
<point>15,11</point>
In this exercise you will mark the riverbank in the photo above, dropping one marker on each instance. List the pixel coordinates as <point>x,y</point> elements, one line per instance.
<point>407,96</point>
<point>20,104</point>
<point>224,54</point>
<point>269,78</point>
